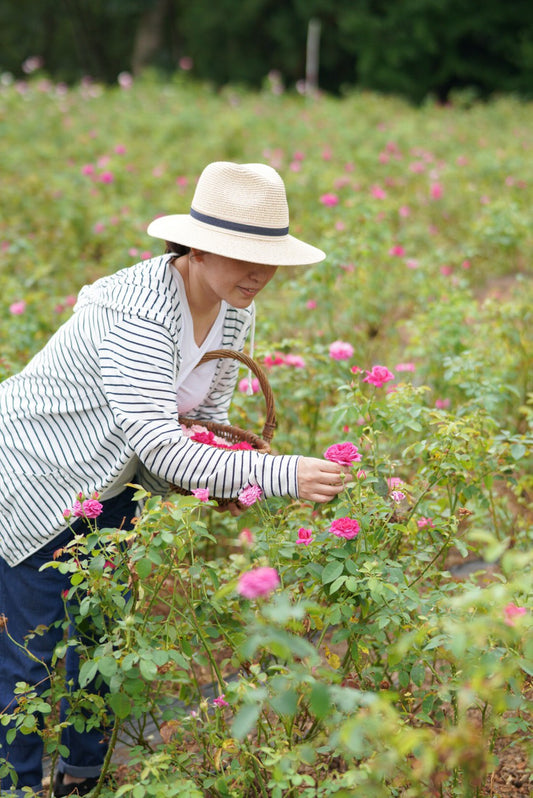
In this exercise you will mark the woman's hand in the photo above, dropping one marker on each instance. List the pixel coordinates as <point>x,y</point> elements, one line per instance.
<point>320,480</point>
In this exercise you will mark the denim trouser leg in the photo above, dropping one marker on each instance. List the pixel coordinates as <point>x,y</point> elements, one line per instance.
<point>30,598</point>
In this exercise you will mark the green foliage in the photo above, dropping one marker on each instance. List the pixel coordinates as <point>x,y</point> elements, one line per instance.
<point>412,48</point>
<point>375,669</point>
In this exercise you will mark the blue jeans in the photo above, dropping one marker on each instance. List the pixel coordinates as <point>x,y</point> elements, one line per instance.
<point>30,598</point>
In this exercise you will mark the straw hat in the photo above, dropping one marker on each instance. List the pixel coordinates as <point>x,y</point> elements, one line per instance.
<point>240,211</point>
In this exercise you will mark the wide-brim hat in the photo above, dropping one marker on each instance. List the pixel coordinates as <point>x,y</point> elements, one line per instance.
<point>239,211</point>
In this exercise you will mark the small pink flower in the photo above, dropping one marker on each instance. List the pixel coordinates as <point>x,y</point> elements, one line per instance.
<point>394,482</point>
<point>397,496</point>
<point>250,495</point>
<point>106,177</point>
<point>442,404</point>
<point>120,149</point>
<point>378,376</point>
<point>243,385</point>
<point>201,493</point>
<point>258,582</point>
<point>341,350</point>
<point>411,263</point>
<point>246,537</point>
<point>424,522</point>
<point>397,250</point>
<point>436,191</point>
<point>378,192</point>
<point>220,701</point>
<point>346,528</point>
<point>343,453</point>
<point>277,359</point>
<point>311,304</point>
<point>88,169</point>
<point>405,367</point>
<point>511,611</point>
<point>186,63</point>
<point>296,361</point>
<point>361,474</point>
<point>17,308</point>
<point>125,80</point>
<point>305,536</point>
<point>404,211</point>
<point>446,270</point>
<point>330,200</point>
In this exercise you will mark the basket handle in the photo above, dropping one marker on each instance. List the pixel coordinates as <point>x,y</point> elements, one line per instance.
<point>270,423</point>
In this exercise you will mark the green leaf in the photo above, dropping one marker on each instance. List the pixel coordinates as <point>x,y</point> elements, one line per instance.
<point>87,672</point>
<point>120,704</point>
<point>285,703</point>
<point>148,669</point>
<point>144,567</point>
<point>107,666</point>
<point>319,700</point>
<point>332,571</point>
<point>245,720</point>
<point>518,450</point>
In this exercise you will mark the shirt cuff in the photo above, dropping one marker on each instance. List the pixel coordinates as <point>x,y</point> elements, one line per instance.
<point>276,475</point>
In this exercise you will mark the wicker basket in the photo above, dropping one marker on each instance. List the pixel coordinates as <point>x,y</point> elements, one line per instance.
<point>231,434</point>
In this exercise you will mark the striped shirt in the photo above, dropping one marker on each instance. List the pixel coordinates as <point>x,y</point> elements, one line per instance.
<point>100,399</point>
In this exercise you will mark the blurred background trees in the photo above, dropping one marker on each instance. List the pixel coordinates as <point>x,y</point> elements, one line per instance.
<point>414,48</point>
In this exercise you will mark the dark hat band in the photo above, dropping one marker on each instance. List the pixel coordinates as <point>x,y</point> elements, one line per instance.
<point>238,227</point>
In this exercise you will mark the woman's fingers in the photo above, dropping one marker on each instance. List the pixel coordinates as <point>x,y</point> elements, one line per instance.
<point>320,480</point>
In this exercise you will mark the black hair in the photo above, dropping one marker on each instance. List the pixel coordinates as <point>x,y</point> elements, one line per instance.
<point>176,249</point>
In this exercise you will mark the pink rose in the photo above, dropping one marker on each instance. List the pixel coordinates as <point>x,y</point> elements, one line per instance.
<point>305,536</point>
<point>246,537</point>
<point>17,308</point>
<point>345,528</point>
<point>258,582</point>
<point>423,522</point>
<point>397,496</point>
<point>341,350</point>
<point>250,495</point>
<point>244,384</point>
<point>220,701</point>
<point>511,612</point>
<point>296,361</point>
<point>330,200</point>
<point>378,376</point>
<point>343,453</point>
<point>201,493</point>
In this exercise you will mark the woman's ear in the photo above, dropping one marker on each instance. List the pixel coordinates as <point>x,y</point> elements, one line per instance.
<point>196,255</point>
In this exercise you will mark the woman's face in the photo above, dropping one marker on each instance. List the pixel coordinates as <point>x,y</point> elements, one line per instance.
<point>236,281</point>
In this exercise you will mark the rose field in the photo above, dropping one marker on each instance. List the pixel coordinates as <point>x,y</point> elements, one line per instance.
<point>378,645</point>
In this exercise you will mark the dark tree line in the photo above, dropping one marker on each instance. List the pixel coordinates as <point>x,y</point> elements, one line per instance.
<point>410,47</point>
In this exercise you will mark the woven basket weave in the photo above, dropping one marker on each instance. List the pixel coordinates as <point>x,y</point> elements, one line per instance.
<point>231,434</point>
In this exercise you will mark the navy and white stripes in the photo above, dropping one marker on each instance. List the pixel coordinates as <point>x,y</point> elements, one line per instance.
<point>98,403</point>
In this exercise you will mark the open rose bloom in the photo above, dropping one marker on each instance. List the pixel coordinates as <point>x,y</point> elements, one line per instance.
<point>343,453</point>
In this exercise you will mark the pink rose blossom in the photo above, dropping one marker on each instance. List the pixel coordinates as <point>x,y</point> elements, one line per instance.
<point>378,376</point>
<point>220,701</point>
<point>17,308</point>
<point>250,495</point>
<point>330,200</point>
<point>87,169</point>
<point>201,493</point>
<point>296,361</point>
<point>305,536</point>
<point>246,537</point>
<point>106,177</point>
<point>87,508</point>
<point>125,80</point>
<point>341,350</point>
<point>404,211</point>
<point>378,192</point>
<point>243,385</point>
<point>436,191</point>
<point>442,404</point>
<point>277,359</point>
<point>258,582</point>
<point>346,528</point>
<point>343,453</point>
<point>394,482</point>
<point>511,611</point>
<point>405,367</point>
<point>361,474</point>
<point>424,522</point>
<point>397,250</point>
<point>311,304</point>
<point>397,496</point>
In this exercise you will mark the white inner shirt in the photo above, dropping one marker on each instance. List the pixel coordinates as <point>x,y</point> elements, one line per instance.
<point>193,383</point>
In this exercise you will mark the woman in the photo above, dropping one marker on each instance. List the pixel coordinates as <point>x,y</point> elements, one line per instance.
<point>98,407</point>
